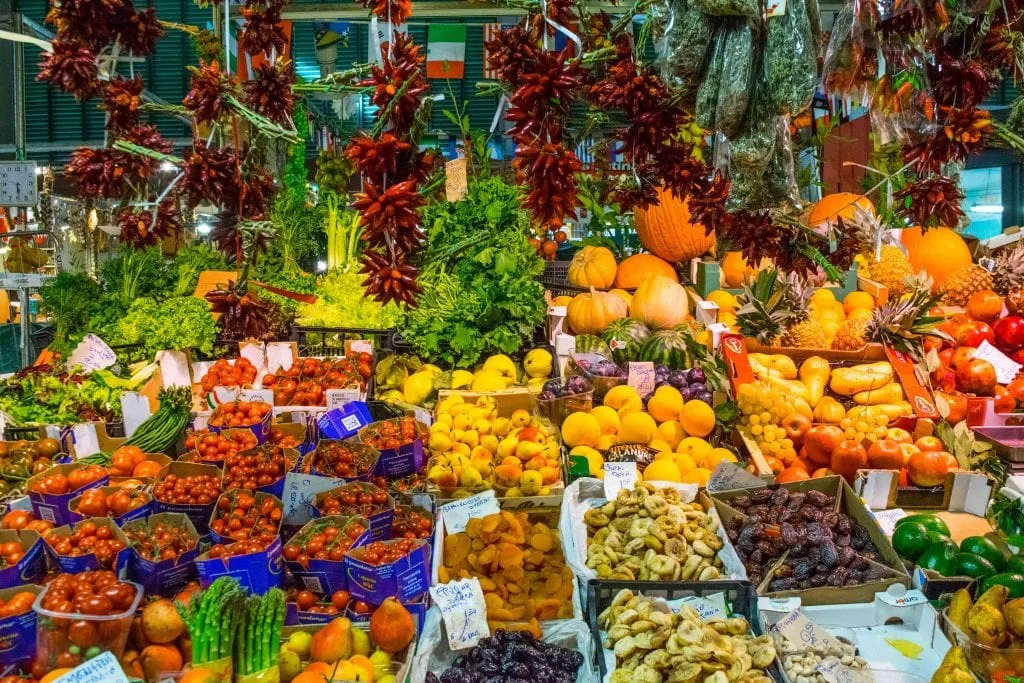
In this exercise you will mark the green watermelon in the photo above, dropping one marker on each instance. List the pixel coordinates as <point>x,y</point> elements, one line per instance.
<point>666,347</point>
<point>625,336</point>
<point>591,343</point>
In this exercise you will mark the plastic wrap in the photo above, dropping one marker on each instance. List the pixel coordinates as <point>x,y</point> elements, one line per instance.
<point>791,62</point>
<point>814,17</point>
<point>685,42</point>
<point>433,655</point>
<point>707,93</point>
<point>753,188</point>
<point>737,78</point>
<point>849,67</point>
<point>729,8</point>
<point>881,23</point>
<point>752,149</point>
<point>780,176</point>
<point>903,106</point>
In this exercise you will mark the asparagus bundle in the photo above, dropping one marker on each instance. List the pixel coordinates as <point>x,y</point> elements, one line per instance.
<point>260,633</point>
<point>213,618</point>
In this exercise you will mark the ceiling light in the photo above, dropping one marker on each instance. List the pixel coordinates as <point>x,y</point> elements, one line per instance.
<point>986,208</point>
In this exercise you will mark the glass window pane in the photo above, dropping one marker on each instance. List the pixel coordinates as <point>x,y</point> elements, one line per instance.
<point>983,200</point>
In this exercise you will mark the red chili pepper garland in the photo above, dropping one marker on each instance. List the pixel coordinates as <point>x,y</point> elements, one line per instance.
<point>141,228</point>
<point>263,31</point>
<point>72,68</point>
<point>930,202</point>
<point>122,98</point>
<point>269,93</point>
<point>137,32</point>
<point>209,88</point>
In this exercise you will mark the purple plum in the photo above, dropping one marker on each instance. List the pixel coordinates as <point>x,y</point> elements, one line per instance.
<point>695,376</point>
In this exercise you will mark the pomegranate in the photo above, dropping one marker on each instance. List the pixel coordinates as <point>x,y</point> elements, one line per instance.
<point>977,376</point>
<point>1009,333</point>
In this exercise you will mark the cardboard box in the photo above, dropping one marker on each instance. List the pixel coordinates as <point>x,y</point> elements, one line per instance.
<point>324,577</point>
<point>395,463</point>
<point>407,578</point>
<point>344,422</point>
<point>258,496</point>
<point>506,402</point>
<point>961,492</point>
<point>198,513</point>
<point>164,577</point>
<point>144,510</point>
<point>32,566</point>
<point>18,632</point>
<point>256,572</point>
<point>891,566</point>
<point>261,429</point>
<point>105,442</point>
<point>55,507</point>
<point>87,563</point>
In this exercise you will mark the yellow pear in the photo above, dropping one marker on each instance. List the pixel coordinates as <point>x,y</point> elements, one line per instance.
<point>470,478</point>
<point>490,442</point>
<point>501,426</point>
<point>520,418</point>
<point>360,642</point>
<point>507,447</point>
<point>527,449</point>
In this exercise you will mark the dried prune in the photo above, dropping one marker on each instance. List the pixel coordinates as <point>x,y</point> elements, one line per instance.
<point>818,579</point>
<point>780,546</point>
<point>814,554</point>
<point>761,496</point>
<point>856,576</point>
<point>786,515</point>
<point>829,519</point>
<point>860,564</point>
<point>783,585</point>
<point>766,547</point>
<point>756,557</point>
<point>843,525</point>
<point>801,570</point>
<point>842,541</point>
<point>733,534</point>
<point>784,571</point>
<point>819,499</point>
<point>774,512</point>
<point>839,576</point>
<point>821,568</point>
<point>779,497</point>
<point>795,500</point>
<point>814,533</point>
<point>740,502</point>
<point>798,551</point>
<point>790,535</point>
<point>829,554</point>
<point>760,511</point>
<point>804,585</point>
<point>846,556</point>
<point>750,533</point>
<point>734,523</point>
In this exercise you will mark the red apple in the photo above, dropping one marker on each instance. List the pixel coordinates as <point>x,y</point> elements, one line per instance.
<point>976,377</point>
<point>1009,333</point>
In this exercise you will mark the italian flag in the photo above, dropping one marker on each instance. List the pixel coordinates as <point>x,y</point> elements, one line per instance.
<point>446,51</point>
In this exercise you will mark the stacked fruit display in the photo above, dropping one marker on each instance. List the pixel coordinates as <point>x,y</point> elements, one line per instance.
<point>239,414</point>
<point>473,449</point>
<point>324,540</point>
<point>223,373</point>
<point>218,447</point>
<point>675,429</point>
<point>239,515</point>
<point>923,540</point>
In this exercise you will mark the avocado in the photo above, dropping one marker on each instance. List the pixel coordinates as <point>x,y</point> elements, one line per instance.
<point>930,521</point>
<point>974,566</point>
<point>984,547</point>
<point>940,557</point>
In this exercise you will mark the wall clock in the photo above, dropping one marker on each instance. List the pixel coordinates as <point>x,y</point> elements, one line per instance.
<point>18,183</point>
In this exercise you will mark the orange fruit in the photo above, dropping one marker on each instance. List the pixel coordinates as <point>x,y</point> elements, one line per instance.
<point>985,305</point>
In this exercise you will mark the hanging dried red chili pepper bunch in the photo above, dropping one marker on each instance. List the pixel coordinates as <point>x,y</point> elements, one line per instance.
<point>244,316</point>
<point>263,31</point>
<point>71,68</point>
<point>143,227</point>
<point>394,11</point>
<point>122,98</point>
<point>211,174</point>
<point>399,83</point>
<point>269,93</point>
<point>930,202</point>
<point>209,89</point>
<point>110,173</point>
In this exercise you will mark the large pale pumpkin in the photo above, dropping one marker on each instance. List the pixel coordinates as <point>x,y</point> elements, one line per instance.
<point>660,303</point>
<point>838,205</point>
<point>665,230</point>
<point>939,252</point>
<point>640,267</point>
<point>593,267</point>
<point>622,294</point>
<point>590,313</point>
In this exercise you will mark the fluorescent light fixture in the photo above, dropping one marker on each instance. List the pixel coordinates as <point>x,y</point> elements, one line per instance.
<point>986,208</point>
<point>321,266</point>
<point>167,166</point>
<point>203,228</point>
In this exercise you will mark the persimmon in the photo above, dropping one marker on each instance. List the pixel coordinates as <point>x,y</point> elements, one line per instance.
<point>848,457</point>
<point>796,426</point>
<point>961,356</point>
<point>885,455</point>
<point>819,443</point>
<point>929,468</point>
<point>976,376</point>
<point>904,479</point>
<point>791,474</point>
<point>1005,402</point>
<point>929,443</point>
<point>957,403</point>
<point>1016,388</point>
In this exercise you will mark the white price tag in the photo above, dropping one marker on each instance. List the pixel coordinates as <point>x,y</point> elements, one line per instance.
<point>641,378</point>
<point>728,476</point>
<point>457,513</point>
<point>423,415</point>
<point>103,668</point>
<point>254,353</point>
<point>887,519</point>
<point>361,346</point>
<point>280,356</point>
<point>710,607</point>
<point>135,409</point>
<point>801,631</point>
<point>257,395</point>
<point>85,438</point>
<point>299,493</point>
<point>463,610</point>
<point>1006,368</point>
<point>829,670</point>
<point>174,369</point>
<point>618,476</point>
<point>338,398</point>
<point>92,353</point>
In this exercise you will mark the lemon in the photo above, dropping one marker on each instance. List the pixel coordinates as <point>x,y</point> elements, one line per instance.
<point>728,319</point>
<point>659,446</point>
<point>697,418</point>
<point>683,462</point>
<point>581,429</point>
<point>858,300</point>
<point>637,428</point>
<point>822,295</point>
<point>698,476</point>
<point>620,395</point>
<point>663,470</point>
<point>537,363</point>
<point>724,300</point>
<point>488,380</point>
<point>665,404</point>
<point>671,432</point>
<point>717,456</point>
<point>608,418</point>
<point>417,387</point>
<point>462,379</point>
<point>432,369</point>
<point>695,447</point>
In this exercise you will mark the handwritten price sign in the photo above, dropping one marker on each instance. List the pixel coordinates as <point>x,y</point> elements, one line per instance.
<point>800,630</point>
<point>463,610</point>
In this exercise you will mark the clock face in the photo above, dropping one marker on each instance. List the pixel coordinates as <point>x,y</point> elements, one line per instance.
<point>18,183</point>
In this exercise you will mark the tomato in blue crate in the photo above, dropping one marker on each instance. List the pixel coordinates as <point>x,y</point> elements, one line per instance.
<point>224,374</point>
<point>341,459</point>
<point>246,546</point>
<point>378,553</point>
<point>323,541</point>
<point>240,516</point>
<point>217,447</point>
<point>356,498</point>
<point>239,414</point>
<point>393,433</point>
<point>194,489</point>
<point>161,542</point>
<point>24,519</point>
<point>411,522</point>
<point>87,539</point>
<point>255,467</point>
<point>95,503</point>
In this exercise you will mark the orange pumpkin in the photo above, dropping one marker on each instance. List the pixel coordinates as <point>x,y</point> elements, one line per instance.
<point>640,267</point>
<point>593,267</point>
<point>843,205</point>
<point>660,303</point>
<point>735,270</point>
<point>665,230</point>
<point>391,626</point>
<point>939,252</point>
<point>591,313</point>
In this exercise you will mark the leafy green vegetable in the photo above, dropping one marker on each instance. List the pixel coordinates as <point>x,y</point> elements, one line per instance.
<point>70,300</point>
<point>177,324</point>
<point>59,398</point>
<point>193,260</point>
<point>342,302</point>
<point>480,295</point>
<point>134,273</point>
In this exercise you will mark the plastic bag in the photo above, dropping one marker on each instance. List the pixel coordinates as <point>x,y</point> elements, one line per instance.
<point>707,93</point>
<point>849,67</point>
<point>791,63</point>
<point>754,188</point>
<point>751,150</point>
<point>738,65</point>
<point>780,176</point>
<point>814,17</point>
<point>903,106</point>
<point>686,43</point>
<point>271,675</point>
<point>880,23</point>
<point>729,8</point>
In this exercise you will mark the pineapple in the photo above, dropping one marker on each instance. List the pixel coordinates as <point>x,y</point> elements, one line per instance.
<point>901,323</point>
<point>1008,277</point>
<point>961,284</point>
<point>892,267</point>
<point>774,311</point>
<point>851,335</point>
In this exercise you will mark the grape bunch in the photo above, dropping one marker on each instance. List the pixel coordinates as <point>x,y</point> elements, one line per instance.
<point>867,424</point>
<point>692,383</point>
<point>333,173</point>
<point>762,410</point>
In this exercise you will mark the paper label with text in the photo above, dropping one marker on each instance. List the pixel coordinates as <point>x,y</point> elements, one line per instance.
<point>86,440</point>
<point>641,377</point>
<point>1006,368</point>
<point>908,599</point>
<point>92,353</point>
<point>103,668</point>
<point>708,606</point>
<point>455,185</point>
<point>463,610</point>
<point>135,409</point>
<point>257,395</point>
<point>618,476</point>
<point>887,519</point>
<point>801,631</point>
<point>728,476</point>
<point>338,398</point>
<point>457,513</point>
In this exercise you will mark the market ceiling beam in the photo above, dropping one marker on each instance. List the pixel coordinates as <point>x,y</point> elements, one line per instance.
<point>424,10</point>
